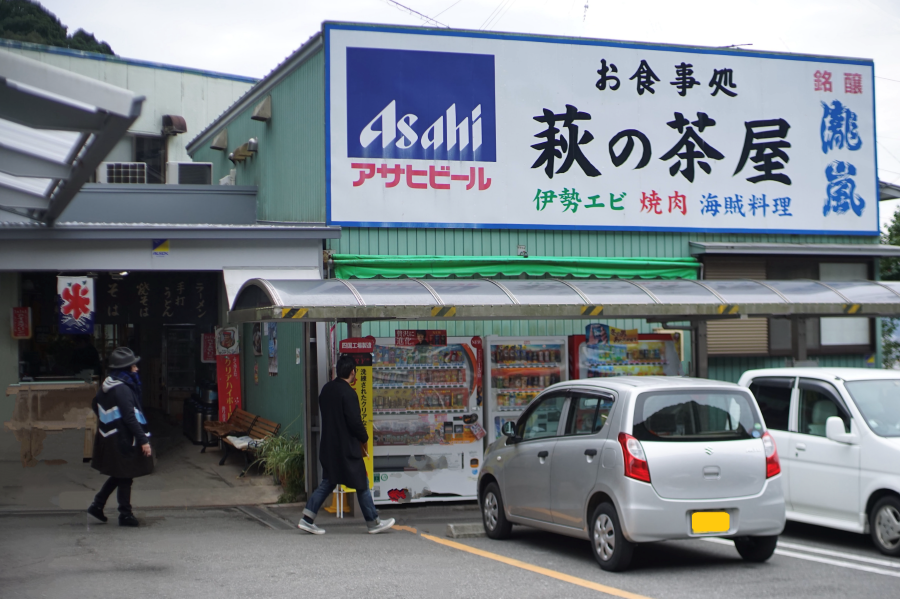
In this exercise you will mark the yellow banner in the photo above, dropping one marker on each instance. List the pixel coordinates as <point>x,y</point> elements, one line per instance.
<point>363,389</point>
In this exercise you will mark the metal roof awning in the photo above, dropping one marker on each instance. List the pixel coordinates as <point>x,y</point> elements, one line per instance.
<point>797,249</point>
<point>494,299</point>
<point>55,129</point>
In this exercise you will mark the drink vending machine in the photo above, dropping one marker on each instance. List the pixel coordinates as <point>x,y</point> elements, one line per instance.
<point>427,420</point>
<point>519,368</point>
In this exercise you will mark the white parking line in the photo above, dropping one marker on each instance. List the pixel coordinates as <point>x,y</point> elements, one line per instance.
<point>858,558</point>
<point>820,560</point>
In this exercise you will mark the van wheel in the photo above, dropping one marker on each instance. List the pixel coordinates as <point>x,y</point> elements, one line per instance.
<point>611,549</point>
<point>492,515</point>
<point>884,525</point>
<point>756,549</point>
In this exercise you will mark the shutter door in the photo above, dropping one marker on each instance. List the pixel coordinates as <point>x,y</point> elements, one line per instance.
<point>737,337</point>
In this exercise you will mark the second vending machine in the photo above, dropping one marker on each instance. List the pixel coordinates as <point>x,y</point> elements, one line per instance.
<point>518,369</point>
<point>427,412</point>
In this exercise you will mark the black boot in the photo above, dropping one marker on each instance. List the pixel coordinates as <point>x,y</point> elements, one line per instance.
<point>128,520</point>
<point>97,512</point>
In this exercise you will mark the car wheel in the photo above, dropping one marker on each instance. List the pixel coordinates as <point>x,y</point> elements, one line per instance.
<point>492,515</point>
<point>611,549</point>
<point>756,549</point>
<point>884,524</point>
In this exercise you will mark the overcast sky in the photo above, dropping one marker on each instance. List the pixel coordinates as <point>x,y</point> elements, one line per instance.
<point>250,37</point>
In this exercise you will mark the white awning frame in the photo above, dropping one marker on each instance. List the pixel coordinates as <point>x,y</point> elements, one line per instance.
<point>56,127</point>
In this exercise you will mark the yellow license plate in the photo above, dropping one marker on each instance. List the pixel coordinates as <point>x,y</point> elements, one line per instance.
<point>702,522</point>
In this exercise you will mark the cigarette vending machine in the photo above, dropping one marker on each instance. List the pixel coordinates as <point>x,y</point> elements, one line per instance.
<point>518,369</point>
<point>427,420</point>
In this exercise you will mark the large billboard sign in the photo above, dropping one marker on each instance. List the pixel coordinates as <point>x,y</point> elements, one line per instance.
<point>431,128</point>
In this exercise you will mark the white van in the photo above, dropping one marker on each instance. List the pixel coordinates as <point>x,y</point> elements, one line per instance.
<point>837,431</point>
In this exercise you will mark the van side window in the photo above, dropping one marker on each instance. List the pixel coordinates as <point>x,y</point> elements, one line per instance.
<point>543,420</point>
<point>773,395</point>
<point>587,414</point>
<point>818,402</point>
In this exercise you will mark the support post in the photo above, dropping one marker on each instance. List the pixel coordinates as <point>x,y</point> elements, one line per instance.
<point>702,350</point>
<point>798,339</point>
<point>354,328</point>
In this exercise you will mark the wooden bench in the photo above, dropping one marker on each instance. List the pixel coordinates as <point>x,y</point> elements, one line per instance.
<point>239,423</point>
<point>261,429</point>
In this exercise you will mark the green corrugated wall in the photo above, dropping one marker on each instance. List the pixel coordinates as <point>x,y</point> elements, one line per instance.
<point>278,398</point>
<point>496,242</point>
<point>289,168</point>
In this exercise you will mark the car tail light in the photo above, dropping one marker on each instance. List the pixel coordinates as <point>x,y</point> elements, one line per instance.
<point>635,460</point>
<point>773,466</point>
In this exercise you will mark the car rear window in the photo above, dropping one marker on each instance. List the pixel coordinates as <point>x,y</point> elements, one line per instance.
<point>695,416</point>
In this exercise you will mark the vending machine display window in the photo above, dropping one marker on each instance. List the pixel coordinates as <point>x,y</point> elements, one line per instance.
<point>519,368</point>
<point>427,420</point>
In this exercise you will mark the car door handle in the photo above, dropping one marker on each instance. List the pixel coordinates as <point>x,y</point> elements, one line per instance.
<point>801,446</point>
<point>543,454</point>
<point>590,452</point>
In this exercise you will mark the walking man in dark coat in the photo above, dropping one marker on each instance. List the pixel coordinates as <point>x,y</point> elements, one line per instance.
<point>341,450</point>
<point>122,443</point>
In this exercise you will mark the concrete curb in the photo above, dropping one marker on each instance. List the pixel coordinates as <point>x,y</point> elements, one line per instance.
<point>465,531</point>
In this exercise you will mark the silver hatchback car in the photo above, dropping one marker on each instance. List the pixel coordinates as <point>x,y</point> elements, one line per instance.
<point>627,460</point>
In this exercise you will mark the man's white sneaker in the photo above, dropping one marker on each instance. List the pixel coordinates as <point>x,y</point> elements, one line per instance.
<point>310,528</point>
<point>381,526</point>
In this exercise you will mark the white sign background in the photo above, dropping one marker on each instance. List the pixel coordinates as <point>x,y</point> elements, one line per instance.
<point>534,73</point>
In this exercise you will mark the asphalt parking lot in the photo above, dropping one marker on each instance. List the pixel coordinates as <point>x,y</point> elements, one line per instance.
<point>257,552</point>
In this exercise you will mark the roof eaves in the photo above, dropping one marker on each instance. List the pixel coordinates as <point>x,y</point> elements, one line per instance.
<point>262,87</point>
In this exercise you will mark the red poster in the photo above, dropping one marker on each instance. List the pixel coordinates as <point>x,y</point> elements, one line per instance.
<point>413,337</point>
<point>228,370</point>
<point>208,348</point>
<point>21,323</point>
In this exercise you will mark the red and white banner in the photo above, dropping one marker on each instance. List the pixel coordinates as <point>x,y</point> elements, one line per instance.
<point>76,305</point>
<point>358,345</point>
<point>20,323</point>
<point>228,370</point>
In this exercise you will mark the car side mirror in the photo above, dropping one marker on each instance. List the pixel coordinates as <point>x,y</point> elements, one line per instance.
<point>509,429</point>
<point>834,430</point>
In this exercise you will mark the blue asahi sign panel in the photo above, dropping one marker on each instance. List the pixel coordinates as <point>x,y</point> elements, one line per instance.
<point>431,128</point>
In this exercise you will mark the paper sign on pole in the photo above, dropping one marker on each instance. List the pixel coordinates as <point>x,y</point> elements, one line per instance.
<point>20,323</point>
<point>360,349</point>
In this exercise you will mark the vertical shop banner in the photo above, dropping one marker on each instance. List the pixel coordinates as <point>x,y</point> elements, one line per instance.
<point>228,374</point>
<point>20,323</point>
<point>228,370</point>
<point>361,349</point>
<point>428,129</point>
<point>75,296</point>
<point>479,370</point>
<point>208,348</point>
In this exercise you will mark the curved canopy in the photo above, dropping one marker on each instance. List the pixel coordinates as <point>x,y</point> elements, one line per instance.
<point>490,299</point>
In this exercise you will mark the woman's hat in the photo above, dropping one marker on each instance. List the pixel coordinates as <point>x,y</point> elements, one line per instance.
<point>122,357</point>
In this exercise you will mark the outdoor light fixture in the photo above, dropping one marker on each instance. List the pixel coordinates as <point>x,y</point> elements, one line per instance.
<point>252,145</point>
<point>231,158</point>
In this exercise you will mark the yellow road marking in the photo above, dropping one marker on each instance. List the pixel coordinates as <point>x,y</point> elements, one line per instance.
<point>536,569</point>
<point>406,528</point>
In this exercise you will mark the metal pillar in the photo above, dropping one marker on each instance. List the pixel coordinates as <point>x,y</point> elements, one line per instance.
<point>701,343</point>
<point>798,339</point>
<point>354,328</point>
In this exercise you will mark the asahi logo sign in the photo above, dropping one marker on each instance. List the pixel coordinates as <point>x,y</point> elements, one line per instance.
<point>404,104</point>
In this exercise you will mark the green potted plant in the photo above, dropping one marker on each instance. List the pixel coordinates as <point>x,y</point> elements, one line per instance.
<point>283,458</point>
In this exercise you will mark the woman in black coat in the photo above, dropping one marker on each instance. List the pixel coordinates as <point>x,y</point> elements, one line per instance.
<point>122,443</point>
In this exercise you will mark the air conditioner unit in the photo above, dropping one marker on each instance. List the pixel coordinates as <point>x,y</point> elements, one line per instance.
<point>189,173</point>
<point>122,172</point>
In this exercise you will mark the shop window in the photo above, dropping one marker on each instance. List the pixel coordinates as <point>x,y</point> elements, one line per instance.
<point>844,331</point>
<point>152,151</point>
